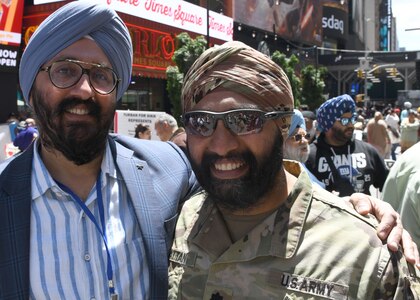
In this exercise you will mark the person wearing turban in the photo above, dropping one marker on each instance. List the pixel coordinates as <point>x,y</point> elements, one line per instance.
<point>296,145</point>
<point>344,164</point>
<point>261,229</point>
<point>85,214</point>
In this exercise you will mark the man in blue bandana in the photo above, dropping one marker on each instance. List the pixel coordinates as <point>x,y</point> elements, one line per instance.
<point>345,165</point>
<point>86,215</point>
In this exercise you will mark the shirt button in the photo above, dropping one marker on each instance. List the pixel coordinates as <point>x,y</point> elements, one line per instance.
<point>92,298</point>
<point>87,258</point>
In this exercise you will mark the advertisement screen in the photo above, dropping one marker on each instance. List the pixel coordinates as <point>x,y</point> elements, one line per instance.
<point>295,20</point>
<point>11,21</point>
<point>334,23</point>
<point>9,58</point>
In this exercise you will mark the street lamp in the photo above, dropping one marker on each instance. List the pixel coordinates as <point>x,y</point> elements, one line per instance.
<point>366,58</point>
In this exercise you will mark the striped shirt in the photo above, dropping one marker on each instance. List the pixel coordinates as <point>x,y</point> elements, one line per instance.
<point>68,258</point>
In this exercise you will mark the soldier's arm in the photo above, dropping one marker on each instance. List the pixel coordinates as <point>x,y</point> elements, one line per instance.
<point>390,228</point>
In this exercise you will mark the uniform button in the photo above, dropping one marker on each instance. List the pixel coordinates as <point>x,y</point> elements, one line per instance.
<point>92,298</point>
<point>87,258</point>
<point>206,230</point>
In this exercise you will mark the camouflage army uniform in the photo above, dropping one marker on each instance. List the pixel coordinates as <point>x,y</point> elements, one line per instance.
<point>312,247</point>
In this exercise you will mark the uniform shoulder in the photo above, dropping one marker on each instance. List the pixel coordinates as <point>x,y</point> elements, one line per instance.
<point>340,206</point>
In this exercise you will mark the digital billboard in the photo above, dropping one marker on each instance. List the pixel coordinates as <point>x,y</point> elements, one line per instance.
<point>11,21</point>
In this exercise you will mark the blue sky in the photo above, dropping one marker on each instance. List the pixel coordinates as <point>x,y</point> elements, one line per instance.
<point>407,16</point>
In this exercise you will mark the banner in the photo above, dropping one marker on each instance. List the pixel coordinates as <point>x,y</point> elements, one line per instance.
<point>175,13</point>
<point>11,12</point>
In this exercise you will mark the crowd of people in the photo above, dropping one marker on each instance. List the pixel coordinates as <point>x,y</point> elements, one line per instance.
<point>245,209</point>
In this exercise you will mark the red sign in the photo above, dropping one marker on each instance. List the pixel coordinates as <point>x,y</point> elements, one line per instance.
<point>11,12</point>
<point>152,49</point>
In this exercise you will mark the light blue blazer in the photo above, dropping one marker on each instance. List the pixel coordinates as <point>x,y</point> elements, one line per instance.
<point>158,177</point>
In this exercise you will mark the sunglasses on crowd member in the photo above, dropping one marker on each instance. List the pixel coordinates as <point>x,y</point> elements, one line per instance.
<point>298,137</point>
<point>238,121</point>
<point>66,73</point>
<point>346,121</point>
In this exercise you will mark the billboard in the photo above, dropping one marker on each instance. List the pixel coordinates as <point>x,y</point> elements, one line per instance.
<point>294,20</point>
<point>385,20</point>
<point>9,58</point>
<point>11,12</point>
<point>334,23</point>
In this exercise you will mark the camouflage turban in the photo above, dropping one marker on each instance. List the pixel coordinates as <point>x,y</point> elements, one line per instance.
<point>69,24</point>
<point>239,68</point>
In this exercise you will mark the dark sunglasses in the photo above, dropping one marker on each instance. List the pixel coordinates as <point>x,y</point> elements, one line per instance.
<point>298,137</point>
<point>238,121</point>
<point>346,121</point>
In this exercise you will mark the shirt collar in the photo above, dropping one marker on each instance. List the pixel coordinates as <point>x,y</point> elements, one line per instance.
<point>42,181</point>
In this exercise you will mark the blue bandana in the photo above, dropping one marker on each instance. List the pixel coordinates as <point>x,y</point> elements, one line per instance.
<point>69,24</point>
<point>333,109</point>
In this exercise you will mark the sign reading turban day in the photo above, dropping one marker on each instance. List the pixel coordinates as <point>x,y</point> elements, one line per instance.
<point>175,13</point>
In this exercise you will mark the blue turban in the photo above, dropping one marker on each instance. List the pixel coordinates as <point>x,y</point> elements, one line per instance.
<point>333,109</point>
<point>69,24</point>
<point>297,122</point>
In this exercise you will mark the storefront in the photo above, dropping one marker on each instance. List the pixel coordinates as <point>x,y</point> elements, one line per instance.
<point>153,26</point>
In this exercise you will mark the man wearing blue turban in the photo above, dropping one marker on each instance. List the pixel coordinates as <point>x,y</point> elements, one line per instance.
<point>296,145</point>
<point>85,214</point>
<point>344,164</point>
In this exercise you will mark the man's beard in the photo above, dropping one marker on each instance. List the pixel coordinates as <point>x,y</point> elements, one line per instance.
<point>244,192</point>
<point>78,142</point>
<point>339,134</point>
<point>297,154</point>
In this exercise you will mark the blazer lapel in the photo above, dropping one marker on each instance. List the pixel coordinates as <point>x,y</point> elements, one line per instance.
<point>137,177</point>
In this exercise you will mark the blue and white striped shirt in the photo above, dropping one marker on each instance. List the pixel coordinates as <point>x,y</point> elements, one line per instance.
<point>68,258</point>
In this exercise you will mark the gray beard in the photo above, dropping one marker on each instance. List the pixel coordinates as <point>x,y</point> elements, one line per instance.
<point>295,154</point>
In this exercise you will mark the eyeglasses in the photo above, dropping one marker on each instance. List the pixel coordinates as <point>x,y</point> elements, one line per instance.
<point>346,121</point>
<point>238,121</point>
<point>298,137</point>
<point>66,73</point>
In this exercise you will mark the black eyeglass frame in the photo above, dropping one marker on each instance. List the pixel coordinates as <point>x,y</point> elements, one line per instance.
<point>346,121</point>
<point>265,116</point>
<point>84,71</point>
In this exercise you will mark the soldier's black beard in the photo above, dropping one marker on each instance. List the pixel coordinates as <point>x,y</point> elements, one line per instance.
<point>245,192</point>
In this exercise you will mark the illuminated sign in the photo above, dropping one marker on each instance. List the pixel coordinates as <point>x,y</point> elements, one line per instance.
<point>9,58</point>
<point>11,21</point>
<point>334,23</point>
<point>152,49</point>
<point>175,13</point>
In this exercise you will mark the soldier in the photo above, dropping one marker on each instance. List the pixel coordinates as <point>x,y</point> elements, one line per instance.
<point>261,230</point>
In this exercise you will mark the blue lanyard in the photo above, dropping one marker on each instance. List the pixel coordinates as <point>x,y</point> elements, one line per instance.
<point>102,231</point>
